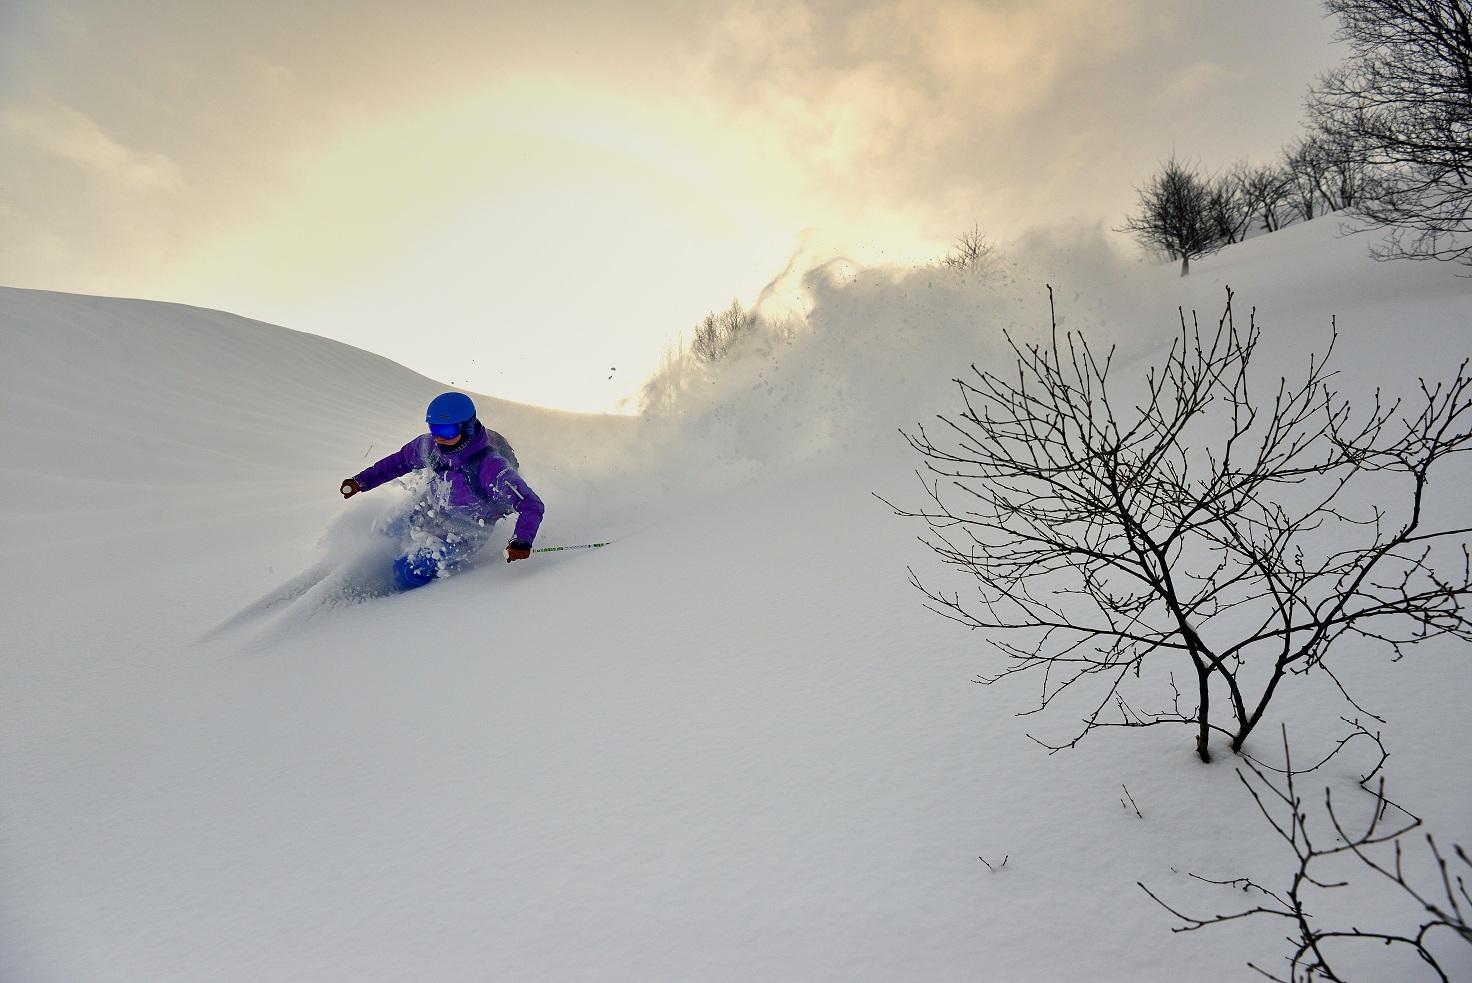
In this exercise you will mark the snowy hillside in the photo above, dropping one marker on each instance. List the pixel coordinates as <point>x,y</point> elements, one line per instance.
<point>731,746</point>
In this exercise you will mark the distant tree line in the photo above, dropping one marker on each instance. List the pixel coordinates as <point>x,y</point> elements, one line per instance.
<point>1389,141</point>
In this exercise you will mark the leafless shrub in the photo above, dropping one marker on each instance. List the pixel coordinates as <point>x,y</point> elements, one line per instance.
<point>1103,533</point>
<point>1375,850</point>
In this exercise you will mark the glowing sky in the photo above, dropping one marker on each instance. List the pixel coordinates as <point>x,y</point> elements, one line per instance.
<point>529,198</point>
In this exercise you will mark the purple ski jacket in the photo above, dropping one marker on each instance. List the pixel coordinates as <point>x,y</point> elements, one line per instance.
<point>481,484</point>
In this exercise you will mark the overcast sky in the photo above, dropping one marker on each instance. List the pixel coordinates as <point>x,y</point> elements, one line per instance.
<point>555,190</point>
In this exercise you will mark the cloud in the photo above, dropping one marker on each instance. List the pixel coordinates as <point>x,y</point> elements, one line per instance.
<point>60,131</point>
<point>877,79</point>
<point>1188,84</point>
<point>916,106</point>
<point>1001,58</point>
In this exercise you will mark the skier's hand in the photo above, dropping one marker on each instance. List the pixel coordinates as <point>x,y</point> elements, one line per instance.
<point>518,549</point>
<point>350,488</point>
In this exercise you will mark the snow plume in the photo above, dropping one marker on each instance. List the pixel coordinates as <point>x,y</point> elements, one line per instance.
<point>841,356</point>
<point>355,556</point>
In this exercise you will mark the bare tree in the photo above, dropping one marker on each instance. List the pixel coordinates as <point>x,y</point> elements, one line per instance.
<point>1346,180</point>
<point>1266,190</point>
<point>1376,847</point>
<point>1231,209</point>
<point>1307,165</point>
<point>1327,173</point>
<point>1176,215</point>
<point>1197,525</point>
<point>718,334</point>
<point>971,253</point>
<point>1403,101</point>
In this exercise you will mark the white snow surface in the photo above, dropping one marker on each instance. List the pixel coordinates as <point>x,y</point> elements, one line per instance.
<point>730,746</point>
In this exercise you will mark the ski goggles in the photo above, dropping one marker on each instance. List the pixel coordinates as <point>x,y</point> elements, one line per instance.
<point>445,429</point>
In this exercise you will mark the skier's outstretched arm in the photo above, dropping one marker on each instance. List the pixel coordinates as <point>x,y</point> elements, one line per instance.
<point>529,512</point>
<point>408,458</point>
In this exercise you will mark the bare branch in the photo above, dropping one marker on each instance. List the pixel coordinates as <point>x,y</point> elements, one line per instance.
<point>1378,846</point>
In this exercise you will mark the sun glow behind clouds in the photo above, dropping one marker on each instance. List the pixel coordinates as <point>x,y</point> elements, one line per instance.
<point>554,235</point>
<point>558,188</point>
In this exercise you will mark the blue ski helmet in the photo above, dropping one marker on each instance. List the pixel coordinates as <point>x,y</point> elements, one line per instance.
<point>449,413</point>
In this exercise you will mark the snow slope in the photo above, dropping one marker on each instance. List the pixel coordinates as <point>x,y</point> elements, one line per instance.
<point>732,746</point>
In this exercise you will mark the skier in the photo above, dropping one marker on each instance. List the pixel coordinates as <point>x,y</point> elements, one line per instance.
<point>474,485</point>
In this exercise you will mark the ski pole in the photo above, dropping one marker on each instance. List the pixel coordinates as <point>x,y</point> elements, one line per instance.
<point>557,549</point>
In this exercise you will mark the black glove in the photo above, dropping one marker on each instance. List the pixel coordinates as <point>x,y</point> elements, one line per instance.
<point>350,488</point>
<point>518,549</point>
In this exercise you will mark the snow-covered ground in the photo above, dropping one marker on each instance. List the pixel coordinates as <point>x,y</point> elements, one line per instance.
<point>731,746</point>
